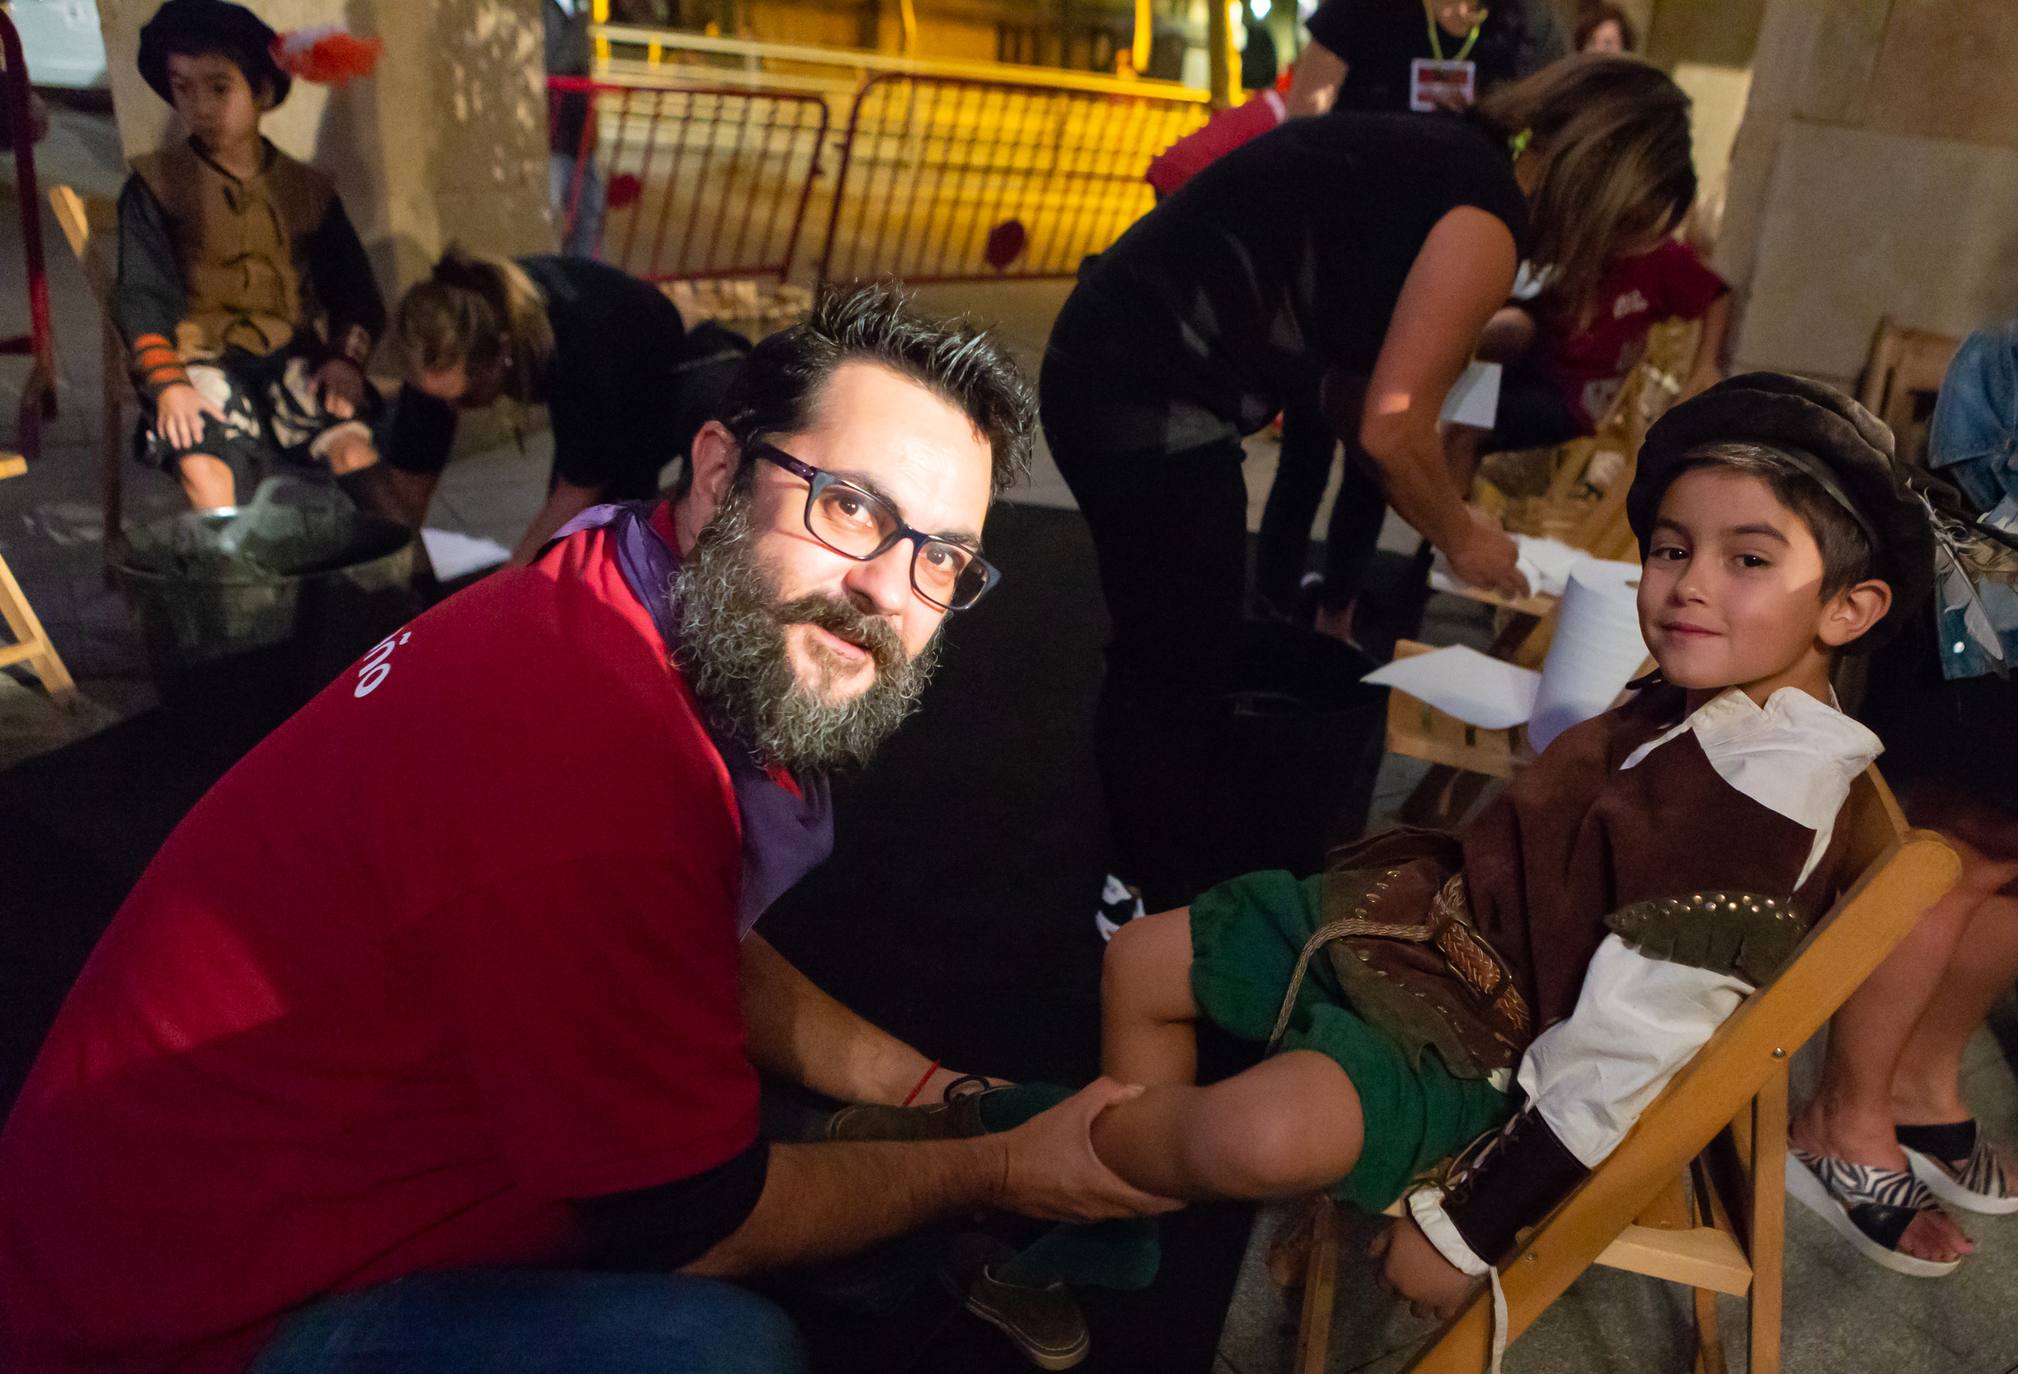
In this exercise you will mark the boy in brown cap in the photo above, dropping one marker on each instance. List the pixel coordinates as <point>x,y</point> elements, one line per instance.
<point>243,291</point>
<point>1603,915</point>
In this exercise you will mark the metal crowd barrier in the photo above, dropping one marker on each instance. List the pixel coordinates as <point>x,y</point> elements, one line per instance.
<point>952,179</point>
<point>934,178</point>
<point>697,182</point>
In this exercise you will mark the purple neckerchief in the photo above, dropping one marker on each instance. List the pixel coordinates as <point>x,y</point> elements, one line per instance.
<point>785,837</point>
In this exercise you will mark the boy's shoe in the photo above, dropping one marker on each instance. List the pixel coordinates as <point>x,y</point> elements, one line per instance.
<point>1045,1323</point>
<point>956,1115</point>
<point>1119,904</point>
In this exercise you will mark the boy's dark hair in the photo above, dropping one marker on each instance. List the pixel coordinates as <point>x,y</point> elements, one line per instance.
<point>210,28</point>
<point>1846,552</point>
<point>779,386</point>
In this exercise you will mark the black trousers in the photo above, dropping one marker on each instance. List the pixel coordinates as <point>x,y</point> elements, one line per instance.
<point>1170,532</point>
<point>1302,469</point>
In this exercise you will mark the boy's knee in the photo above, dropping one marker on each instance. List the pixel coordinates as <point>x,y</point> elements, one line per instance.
<point>1138,951</point>
<point>349,452</point>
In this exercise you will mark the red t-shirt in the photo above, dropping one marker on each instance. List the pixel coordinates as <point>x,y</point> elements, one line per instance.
<point>1671,282</point>
<point>455,944</point>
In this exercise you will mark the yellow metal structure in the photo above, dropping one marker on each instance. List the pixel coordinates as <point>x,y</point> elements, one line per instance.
<point>652,56</point>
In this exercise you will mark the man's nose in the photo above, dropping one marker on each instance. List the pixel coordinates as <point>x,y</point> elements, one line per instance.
<point>884,582</point>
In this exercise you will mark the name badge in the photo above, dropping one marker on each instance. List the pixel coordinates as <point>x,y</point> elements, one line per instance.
<point>1435,85</point>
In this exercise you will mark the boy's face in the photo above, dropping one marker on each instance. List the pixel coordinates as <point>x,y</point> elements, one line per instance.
<point>214,99</point>
<point>1731,594</point>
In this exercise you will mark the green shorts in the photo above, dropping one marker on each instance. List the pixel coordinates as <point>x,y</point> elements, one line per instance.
<point>1245,937</point>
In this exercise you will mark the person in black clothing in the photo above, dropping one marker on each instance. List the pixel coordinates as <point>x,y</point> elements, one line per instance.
<point>1361,56</point>
<point>1388,242</point>
<point>625,382</point>
<point>1360,51</point>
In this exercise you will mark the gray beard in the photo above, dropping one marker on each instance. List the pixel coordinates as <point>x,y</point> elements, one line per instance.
<point>732,650</point>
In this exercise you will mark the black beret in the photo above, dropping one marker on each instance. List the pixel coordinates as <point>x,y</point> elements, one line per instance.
<point>182,25</point>
<point>1826,435</point>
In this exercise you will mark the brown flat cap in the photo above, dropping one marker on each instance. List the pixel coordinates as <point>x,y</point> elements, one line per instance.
<point>1829,437</point>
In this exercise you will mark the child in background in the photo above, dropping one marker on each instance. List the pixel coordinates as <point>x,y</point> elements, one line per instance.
<point>245,295</point>
<point>1563,375</point>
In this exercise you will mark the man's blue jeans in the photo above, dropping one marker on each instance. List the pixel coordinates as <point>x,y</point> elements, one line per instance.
<point>537,1321</point>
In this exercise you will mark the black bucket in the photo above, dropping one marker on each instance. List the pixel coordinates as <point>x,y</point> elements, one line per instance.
<point>238,641</point>
<point>1297,745</point>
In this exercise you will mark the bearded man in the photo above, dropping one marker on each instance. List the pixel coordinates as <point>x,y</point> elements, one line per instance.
<point>430,1039</point>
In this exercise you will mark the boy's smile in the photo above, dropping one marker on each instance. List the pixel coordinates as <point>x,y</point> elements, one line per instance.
<point>1731,594</point>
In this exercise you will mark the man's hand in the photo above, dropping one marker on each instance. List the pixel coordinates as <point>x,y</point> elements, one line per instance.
<point>340,384</point>
<point>179,412</point>
<point>1052,1173</point>
<point>1487,557</point>
<point>1413,1271</point>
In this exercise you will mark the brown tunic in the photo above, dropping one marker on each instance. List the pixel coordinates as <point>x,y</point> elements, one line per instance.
<point>242,246</point>
<point>1570,840</point>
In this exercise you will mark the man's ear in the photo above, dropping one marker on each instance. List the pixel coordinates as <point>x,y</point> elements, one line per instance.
<point>713,456</point>
<point>1850,613</point>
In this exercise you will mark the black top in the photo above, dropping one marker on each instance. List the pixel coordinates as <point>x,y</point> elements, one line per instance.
<point>1378,39</point>
<point>1283,257</point>
<point>611,387</point>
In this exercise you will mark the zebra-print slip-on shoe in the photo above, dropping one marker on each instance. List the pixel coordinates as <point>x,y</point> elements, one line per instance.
<point>1868,1206</point>
<point>1961,1167</point>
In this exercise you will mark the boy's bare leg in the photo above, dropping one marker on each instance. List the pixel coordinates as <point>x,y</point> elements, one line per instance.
<point>1850,1115</point>
<point>1146,1007</point>
<point>1288,1125</point>
<point>206,481</point>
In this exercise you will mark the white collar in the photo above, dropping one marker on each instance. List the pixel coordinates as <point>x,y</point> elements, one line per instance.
<point>1796,755</point>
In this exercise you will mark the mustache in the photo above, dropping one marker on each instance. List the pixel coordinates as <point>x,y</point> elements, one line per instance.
<point>846,621</point>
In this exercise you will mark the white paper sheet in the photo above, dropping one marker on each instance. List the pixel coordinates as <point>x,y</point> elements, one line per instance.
<point>1596,649</point>
<point>1477,689</point>
<point>458,555</point>
<point>1545,563</point>
<point>1474,398</point>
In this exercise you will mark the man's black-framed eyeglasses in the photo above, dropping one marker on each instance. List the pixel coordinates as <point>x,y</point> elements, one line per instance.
<point>861,525</point>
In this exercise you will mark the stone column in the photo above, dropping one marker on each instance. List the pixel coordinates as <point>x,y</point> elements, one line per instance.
<point>447,139</point>
<point>1875,174</point>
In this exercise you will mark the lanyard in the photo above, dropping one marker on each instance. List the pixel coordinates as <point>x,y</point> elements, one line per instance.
<point>1436,37</point>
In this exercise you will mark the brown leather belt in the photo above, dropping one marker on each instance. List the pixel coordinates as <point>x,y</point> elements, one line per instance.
<point>1476,963</point>
<point>1465,952</point>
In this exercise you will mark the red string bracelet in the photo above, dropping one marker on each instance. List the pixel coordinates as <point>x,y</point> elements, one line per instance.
<point>912,1096</point>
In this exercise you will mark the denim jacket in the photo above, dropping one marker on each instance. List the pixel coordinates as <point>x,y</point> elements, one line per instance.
<point>1974,439</point>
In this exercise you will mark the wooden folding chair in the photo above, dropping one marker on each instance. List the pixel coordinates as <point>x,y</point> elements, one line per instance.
<point>1637,1210</point>
<point>1901,380</point>
<point>31,646</point>
<point>91,226</point>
